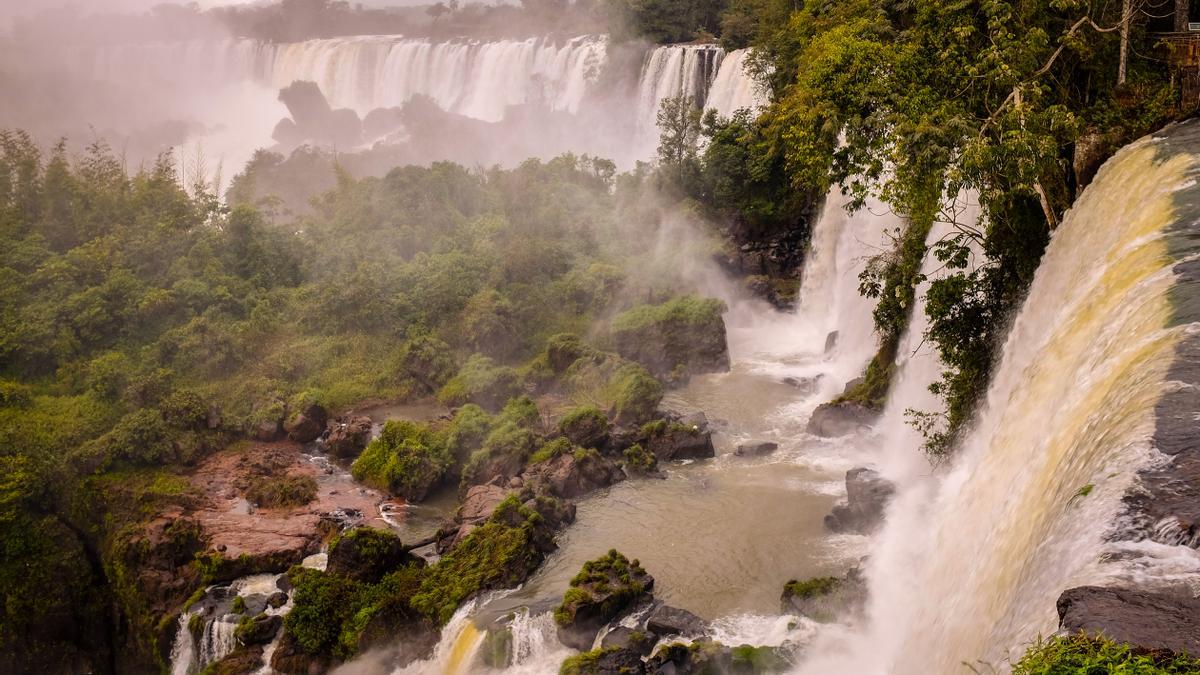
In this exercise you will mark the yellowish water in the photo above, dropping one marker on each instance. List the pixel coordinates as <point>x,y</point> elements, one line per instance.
<point>462,655</point>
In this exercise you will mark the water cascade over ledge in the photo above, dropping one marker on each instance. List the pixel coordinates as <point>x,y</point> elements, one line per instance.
<point>973,557</point>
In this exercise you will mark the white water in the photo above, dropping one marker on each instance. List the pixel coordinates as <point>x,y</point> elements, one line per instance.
<point>972,559</point>
<point>733,89</point>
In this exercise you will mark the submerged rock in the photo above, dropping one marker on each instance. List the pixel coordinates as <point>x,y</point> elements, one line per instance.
<point>839,419</point>
<point>1147,619</point>
<point>348,435</point>
<point>755,448</point>
<point>604,589</point>
<point>867,496</point>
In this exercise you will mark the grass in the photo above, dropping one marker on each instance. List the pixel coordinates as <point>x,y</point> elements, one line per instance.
<point>1084,655</point>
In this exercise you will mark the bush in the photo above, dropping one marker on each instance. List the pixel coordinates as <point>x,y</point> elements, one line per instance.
<point>483,382</point>
<point>585,426</point>
<point>640,460</point>
<point>427,361</point>
<point>1063,655</point>
<point>184,409</point>
<point>406,460</point>
<point>635,394</point>
<point>322,603</point>
<point>271,492</point>
<point>466,432</point>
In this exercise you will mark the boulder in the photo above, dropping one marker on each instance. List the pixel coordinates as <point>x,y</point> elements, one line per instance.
<point>673,440</point>
<point>1148,619</point>
<point>278,598</point>
<point>684,336</point>
<point>604,589</point>
<point>630,639</point>
<point>312,119</point>
<point>831,341</point>
<point>290,658</point>
<point>697,658</point>
<point>755,448</point>
<point>824,599</point>
<point>308,425</point>
<point>867,496</point>
<point>268,431</point>
<point>573,474</point>
<point>604,661</point>
<point>806,385</point>
<point>348,435</point>
<point>838,419</point>
<point>479,503</point>
<point>665,620</point>
<point>258,630</point>
<point>367,554</point>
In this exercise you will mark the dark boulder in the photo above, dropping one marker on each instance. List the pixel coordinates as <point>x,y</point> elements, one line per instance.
<point>673,340</point>
<point>629,639</point>
<point>277,599</point>
<point>604,589</point>
<point>573,474</point>
<point>1150,620</point>
<point>258,630</point>
<point>841,418</point>
<point>672,440</point>
<point>367,554</point>
<point>665,620</point>
<point>867,496</point>
<point>307,426</point>
<point>312,119</point>
<point>755,448</point>
<point>604,661</point>
<point>290,658</point>
<point>348,435</point>
<point>699,657</point>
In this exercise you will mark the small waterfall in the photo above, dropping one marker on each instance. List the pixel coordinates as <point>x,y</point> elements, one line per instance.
<point>972,559</point>
<point>458,649</point>
<point>183,650</point>
<point>733,89</point>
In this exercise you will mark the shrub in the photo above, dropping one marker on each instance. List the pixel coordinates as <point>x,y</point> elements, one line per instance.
<point>640,460</point>
<point>585,426</point>
<point>407,459</point>
<point>184,409</point>
<point>1062,655</point>
<point>551,450</point>
<point>322,603</point>
<point>481,381</point>
<point>271,492</point>
<point>635,393</point>
<point>466,432</point>
<point>427,361</point>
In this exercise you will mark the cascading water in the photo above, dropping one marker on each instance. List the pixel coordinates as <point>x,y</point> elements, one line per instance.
<point>733,88</point>
<point>971,561</point>
<point>670,71</point>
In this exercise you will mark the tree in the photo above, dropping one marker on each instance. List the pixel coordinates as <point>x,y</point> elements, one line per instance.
<point>679,132</point>
<point>437,11</point>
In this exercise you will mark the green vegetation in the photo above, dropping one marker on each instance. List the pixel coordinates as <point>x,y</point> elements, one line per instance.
<point>585,426</point>
<point>640,460</point>
<point>1067,655</point>
<point>273,492</point>
<point>587,663</point>
<point>407,459</point>
<point>612,581</point>
<point>811,588</point>
<point>673,339</point>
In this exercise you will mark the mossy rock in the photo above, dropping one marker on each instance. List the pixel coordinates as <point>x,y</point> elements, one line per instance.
<point>675,339</point>
<point>603,590</point>
<point>585,426</point>
<point>823,598</point>
<point>407,459</point>
<point>367,554</point>
<point>604,661</point>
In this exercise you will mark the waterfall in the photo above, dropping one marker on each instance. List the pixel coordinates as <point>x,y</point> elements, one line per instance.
<point>670,71</point>
<point>972,559</point>
<point>733,89</point>
<point>456,652</point>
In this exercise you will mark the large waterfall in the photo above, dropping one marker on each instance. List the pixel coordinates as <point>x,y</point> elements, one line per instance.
<point>473,78</point>
<point>972,560</point>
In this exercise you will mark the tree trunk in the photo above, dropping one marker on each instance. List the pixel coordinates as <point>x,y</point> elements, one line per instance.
<point>1126,18</point>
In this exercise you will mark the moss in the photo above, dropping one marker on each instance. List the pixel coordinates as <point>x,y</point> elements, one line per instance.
<point>811,588</point>
<point>239,605</point>
<point>872,390</point>
<point>757,659</point>
<point>587,663</point>
<point>612,580</point>
<point>498,554</point>
<point>322,603</point>
<point>1062,655</point>
<point>466,432</point>
<point>481,381</point>
<point>564,349</point>
<point>551,450</point>
<point>684,311</point>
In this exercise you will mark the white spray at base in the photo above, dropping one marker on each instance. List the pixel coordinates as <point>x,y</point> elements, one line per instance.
<point>971,561</point>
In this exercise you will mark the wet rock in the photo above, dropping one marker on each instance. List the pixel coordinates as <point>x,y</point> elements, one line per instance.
<point>673,440</point>
<point>824,599</point>
<point>682,337</point>
<point>382,122</point>
<point>629,639</point>
<point>241,661</point>
<point>585,427</point>
<point>367,554</point>
<point>665,620</point>
<point>278,598</point>
<point>1148,619</point>
<point>1091,149</point>
<point>841,418</point>
<point>604,589</point>
<point>258,630</point>
<point>755,448</point>
<point>604,661</point>
<point>867,496</point>
<point>479,503</point>
<point>291,659</point>
<point>313,120</point>
<point>348,436</point>
<point>308,425</point>
<point>702,656</point>
<point>831,341</point>
<point>806,385</point>
<point>255,604</point>
<point>571,475</point>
